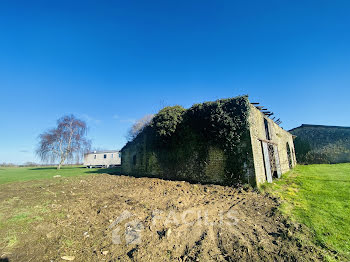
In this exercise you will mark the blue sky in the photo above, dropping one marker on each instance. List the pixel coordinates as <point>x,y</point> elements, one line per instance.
<point>111,62</point>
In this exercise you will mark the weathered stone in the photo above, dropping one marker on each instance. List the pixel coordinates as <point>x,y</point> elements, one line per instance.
<point>206,162</point>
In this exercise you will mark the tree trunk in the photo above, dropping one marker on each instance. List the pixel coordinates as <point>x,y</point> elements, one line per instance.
<point>60,164</point>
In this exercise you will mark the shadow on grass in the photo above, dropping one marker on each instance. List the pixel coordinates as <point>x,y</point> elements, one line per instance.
<point>116,171</point>
<point>109,171</point>
<point>43,168</point>
<point>331,180</point>
<point>55,167</point>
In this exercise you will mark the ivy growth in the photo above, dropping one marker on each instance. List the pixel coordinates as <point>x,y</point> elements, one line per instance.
<point>223,122</point>
<point>181,139</point>
<point>167,120</point>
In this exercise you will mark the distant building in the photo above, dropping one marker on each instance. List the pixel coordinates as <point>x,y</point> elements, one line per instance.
<point>320,144</point>
<point>227,141</point>
<point>108,158</point>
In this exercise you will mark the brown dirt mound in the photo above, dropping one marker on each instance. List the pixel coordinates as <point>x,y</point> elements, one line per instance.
<point>120,218</point>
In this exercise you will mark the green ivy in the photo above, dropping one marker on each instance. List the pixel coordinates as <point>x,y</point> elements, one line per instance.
<point>181,138</point>
<point>166,121</point>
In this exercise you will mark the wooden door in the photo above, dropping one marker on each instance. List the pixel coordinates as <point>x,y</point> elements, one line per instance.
<point>267,162</point>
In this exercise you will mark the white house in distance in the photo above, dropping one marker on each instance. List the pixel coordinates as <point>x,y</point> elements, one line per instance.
<point>107,158</point>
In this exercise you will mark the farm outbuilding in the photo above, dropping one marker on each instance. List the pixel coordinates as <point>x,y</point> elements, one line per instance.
<point>320,144</point>
<point>227,141</point>
<point>107,158</point>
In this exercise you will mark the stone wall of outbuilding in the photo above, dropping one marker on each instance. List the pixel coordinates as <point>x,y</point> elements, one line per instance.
<point>277,135</point>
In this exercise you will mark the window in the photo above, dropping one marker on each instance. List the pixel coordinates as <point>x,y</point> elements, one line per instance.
<point>293,156</point>
<point>94,156</point>
<point>134,160</point>
<point>112,156</point>
<point>120,155</point>
<point>267,131</point>
<point>104,156</point>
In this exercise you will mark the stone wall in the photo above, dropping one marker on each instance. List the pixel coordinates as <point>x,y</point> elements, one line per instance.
<point>195,163</point>
<point>318,144</point>
<point>193,156</point>
<point>278,136</point>
<point>137,160</point>
<point>202,148</point>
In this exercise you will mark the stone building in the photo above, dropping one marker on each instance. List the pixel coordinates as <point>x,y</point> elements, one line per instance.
<point>227,141</point>
<point>320,144</point>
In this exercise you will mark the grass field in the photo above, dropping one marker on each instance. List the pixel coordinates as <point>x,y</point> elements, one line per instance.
<point>14,174</point>
<point>319,197</point>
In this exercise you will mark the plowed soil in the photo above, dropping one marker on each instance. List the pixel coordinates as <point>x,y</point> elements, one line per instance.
<point>119,218</point>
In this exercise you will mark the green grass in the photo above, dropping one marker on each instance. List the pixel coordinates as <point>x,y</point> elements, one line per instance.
<point>319,197</point>
<point>14,174</point>
<point>17,219</point>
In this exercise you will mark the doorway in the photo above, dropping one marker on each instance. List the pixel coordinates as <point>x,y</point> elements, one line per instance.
<point>289,155</point>
<point>271,161</point>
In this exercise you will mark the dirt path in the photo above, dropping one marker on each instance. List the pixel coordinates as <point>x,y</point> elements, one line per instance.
<point>119,218</point>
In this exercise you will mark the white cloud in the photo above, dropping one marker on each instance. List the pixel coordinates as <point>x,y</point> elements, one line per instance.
<point>130,120</point>
<point>24,151</point>
<point>124,120</point>
<point>90,119</point>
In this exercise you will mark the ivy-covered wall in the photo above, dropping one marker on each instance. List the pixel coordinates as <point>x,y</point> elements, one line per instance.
<point>207,143</point>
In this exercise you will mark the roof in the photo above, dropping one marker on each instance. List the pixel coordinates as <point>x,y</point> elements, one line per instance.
<point>103,152</point>
<point>322,126</point>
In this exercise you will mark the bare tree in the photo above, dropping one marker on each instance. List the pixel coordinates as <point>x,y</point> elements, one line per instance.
<point>65,142</point>
<point>138,126</point>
